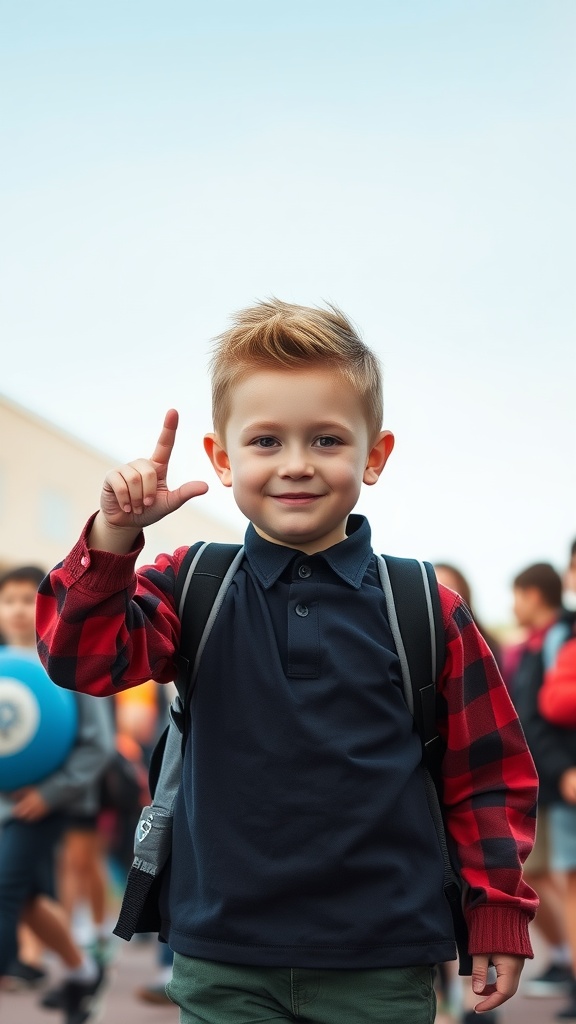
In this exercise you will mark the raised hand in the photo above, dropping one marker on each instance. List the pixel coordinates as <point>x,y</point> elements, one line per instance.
<point>137,494</point>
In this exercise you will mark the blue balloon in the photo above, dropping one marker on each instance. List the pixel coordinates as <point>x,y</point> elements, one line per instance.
<point>38,720</point>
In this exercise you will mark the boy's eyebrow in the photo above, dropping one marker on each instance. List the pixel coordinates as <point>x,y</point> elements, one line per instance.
<point>323,426</point>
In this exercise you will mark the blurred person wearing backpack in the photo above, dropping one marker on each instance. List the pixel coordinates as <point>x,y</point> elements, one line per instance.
<point>538,609</point>
<point>33,820</point>
<point>82,870</point>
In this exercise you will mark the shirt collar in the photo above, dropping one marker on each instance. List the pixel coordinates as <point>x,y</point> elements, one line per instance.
<point>349,559</point>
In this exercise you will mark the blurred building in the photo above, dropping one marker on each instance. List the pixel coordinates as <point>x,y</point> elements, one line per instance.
<point>49,485</point>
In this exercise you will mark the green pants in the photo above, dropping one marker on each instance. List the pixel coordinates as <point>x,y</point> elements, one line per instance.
<point>208,992</point>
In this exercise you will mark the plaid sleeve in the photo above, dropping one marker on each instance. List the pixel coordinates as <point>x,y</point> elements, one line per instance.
<point>101,626</point>
<point>490,788</point>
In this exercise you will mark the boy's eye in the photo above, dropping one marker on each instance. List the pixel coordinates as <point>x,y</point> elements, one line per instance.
<point>326,442</point>
<point>265,442</point>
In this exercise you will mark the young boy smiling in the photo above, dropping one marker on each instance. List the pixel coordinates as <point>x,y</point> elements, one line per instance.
<point>295,449</point>
<point>306,878</point>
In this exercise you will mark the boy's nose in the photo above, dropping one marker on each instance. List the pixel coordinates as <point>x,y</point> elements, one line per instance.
<point>296,463</point>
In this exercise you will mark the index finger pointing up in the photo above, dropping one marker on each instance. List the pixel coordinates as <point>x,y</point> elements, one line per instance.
<point>165,443</point>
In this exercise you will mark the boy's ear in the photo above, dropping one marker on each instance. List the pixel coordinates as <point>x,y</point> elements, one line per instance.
<point>378,456</point>
<point>219,458</point>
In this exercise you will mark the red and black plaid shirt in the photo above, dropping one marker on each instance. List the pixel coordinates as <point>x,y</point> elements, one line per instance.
<point>102,628</point>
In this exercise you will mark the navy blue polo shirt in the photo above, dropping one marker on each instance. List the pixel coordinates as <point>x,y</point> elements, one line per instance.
<point>302,835</point>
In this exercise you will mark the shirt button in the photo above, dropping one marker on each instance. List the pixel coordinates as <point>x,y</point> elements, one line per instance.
<point>304,572</point>
<point>301,610</point>
<point>84,561</point>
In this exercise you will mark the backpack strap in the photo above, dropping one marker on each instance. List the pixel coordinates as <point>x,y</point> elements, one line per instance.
<point>415,617</point>
<point>199,591</point>
<point>201,584</point>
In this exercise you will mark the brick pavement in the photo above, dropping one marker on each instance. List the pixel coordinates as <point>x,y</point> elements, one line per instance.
<point>135,966</point>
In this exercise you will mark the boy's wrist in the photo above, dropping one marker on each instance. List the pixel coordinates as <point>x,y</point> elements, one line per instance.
<point>118,540</point>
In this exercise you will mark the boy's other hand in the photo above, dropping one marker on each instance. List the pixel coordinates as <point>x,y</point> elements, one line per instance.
<point>137,494</point>
<point>508,970</point>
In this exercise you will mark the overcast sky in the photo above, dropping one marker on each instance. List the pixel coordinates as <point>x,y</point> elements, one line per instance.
<point>164,164</point>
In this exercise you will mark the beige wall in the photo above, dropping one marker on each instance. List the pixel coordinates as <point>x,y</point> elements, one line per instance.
<point>49,485</point>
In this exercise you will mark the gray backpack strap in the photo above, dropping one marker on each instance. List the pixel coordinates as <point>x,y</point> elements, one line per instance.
<point>415,618</point>
<point>203,579</point>
<point>201,585</point>
<point>139,911</point>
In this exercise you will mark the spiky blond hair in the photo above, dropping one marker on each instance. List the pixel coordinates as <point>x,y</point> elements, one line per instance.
<point>275,334</point>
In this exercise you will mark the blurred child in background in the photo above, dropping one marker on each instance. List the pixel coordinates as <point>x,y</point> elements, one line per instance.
<point>33,820</point>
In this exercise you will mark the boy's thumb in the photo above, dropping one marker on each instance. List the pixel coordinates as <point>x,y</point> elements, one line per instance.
<point>182,494</point>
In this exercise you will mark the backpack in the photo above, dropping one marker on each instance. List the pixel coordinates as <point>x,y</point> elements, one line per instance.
<point>415,620</point>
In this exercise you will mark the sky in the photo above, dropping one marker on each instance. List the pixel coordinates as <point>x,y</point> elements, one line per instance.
<point>164,165</point>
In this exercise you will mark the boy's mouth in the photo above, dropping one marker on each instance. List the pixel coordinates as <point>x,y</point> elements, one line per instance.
<point>299,498</point>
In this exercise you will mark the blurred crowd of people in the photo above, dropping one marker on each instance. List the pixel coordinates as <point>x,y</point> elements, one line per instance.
<point>66,842</point>
<point>539,669</point>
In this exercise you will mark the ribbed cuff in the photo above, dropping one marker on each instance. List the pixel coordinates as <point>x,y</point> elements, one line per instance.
<point>98,571</point>
<point>495,929</point>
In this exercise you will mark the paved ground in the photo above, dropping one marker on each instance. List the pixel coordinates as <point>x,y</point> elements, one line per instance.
<point>135,966</point>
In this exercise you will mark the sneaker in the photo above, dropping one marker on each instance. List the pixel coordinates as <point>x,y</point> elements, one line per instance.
<point>569,1011</point>
<point>154,994</point>
<point>82,999</point>
<point>54,998</point>
<point>556,980</point>
<point>22,976</point>
<point>102,951</point>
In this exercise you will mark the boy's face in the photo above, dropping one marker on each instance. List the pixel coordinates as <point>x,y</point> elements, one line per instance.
<point>296,453</point>
<point>18,613</point>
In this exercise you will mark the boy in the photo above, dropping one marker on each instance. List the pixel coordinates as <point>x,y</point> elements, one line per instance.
<point>33,819</point>
<point>306,880</point>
